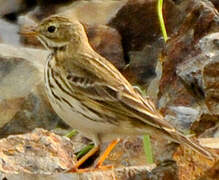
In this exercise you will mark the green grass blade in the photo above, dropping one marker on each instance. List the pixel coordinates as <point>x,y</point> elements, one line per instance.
<point>148,149</point>
<point>71,133</point>
<point>161,20</point>
<point>84,151</point>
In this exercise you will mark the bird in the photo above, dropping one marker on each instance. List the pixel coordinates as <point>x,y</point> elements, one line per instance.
<point>91,95</point>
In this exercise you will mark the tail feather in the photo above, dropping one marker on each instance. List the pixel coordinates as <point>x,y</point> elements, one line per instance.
<point>195,146</point>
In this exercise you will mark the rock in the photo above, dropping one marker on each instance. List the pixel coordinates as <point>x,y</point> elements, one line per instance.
<point>133,173</point>
<point>137,22</point>
<point>130,151</point>
<point>165,171</point>
<point>141,68</point>
<point>11,6</point>
<point>23,102</point>
<point>211,132</point>
<point>107,42</point>
<point>212,173</point>
<point>8,33</point>
<point>97,12</point>
<point>183,117</point>
<point>206,126</point>
<point>48,156</point>
<point>34,111</point>
<point>39,152</point>
<point>216,3</point>
<point>186,55</point>
<point>192,165</point>
<point>211,80</point>
<point>210,142</point>
<point>8,109</point>
<point>201,73</point>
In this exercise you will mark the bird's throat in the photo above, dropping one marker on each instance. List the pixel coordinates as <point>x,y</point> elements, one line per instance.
<point>60,54</point>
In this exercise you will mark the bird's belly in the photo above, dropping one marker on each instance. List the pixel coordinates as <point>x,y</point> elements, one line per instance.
<point>77,117</point>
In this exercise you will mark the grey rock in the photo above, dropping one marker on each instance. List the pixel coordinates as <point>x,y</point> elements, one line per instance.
<point>202,73</point>
<point>23,102</point>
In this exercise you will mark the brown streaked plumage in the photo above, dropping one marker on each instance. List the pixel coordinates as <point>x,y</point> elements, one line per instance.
<point>91,95</point>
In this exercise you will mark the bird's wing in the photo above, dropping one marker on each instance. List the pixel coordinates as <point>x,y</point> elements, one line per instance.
<point>96,90</point>
<point>102,82</point>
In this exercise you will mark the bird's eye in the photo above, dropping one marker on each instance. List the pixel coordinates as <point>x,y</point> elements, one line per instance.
<point>51,29</point>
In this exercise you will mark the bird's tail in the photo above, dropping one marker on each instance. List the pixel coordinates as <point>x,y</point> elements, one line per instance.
<point>192,144</point>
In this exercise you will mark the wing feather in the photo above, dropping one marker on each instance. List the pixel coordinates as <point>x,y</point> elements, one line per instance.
<point>109,87</point>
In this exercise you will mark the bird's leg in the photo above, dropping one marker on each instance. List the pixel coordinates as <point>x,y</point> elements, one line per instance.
<point>83,159</point>
<point>100,160</point>
<point>105,154</point>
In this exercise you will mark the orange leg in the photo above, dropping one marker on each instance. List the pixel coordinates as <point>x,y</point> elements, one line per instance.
<point>84,158</point>
<point>99,162</point>
<point>106,153</point>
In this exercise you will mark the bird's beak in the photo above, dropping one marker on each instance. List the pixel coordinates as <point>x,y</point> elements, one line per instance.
<point>29,31</point>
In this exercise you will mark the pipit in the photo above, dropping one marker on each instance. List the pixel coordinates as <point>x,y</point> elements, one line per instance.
<point>91,95</point>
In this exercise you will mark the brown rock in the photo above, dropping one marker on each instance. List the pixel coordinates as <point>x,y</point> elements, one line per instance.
<point>200,74</point>
<point>212,173</point>
<point>192,165</point>
<point>211,132</point>
<point>8,109</point>
<point>36,152</point>
<point>216,3</point>
<point>137,22</point>
<point>97,12</point>
<point>107,42</point>
<point>7,7</point>
<point>211,84</point>
<point>206,124</point>
<point>130,152</point>
<point>181,83</point>
<point>42,153</point>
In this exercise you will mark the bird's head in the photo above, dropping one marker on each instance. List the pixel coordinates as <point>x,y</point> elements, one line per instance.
<point>57,31</point>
